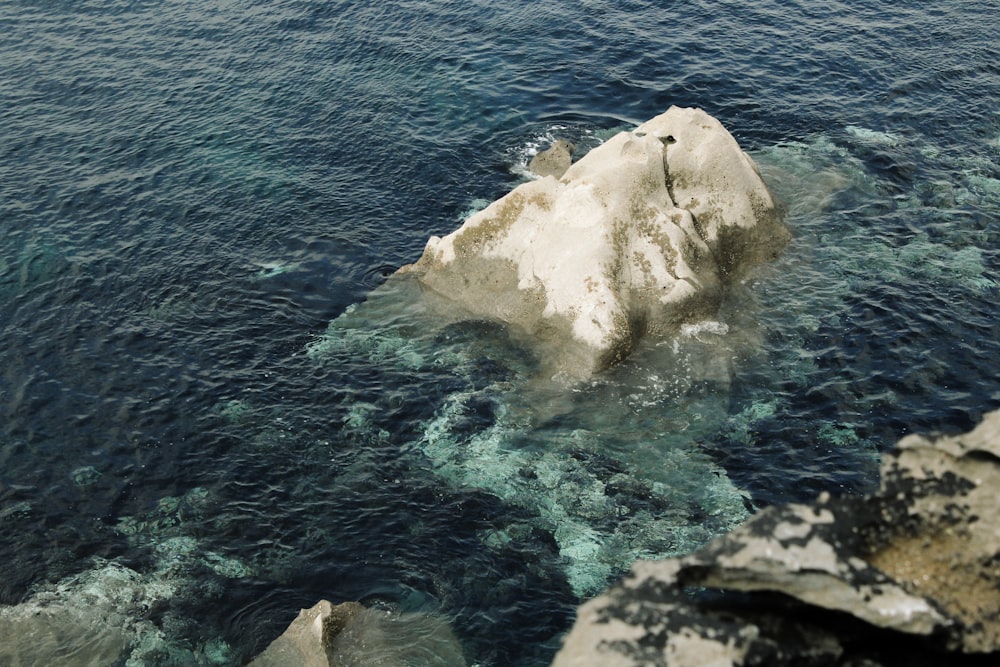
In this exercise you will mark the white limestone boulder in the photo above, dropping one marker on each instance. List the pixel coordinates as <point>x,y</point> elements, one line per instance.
<point>633,240</point>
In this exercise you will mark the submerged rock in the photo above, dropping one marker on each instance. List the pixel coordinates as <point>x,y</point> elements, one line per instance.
<point>634,239</point>
<point>554,161</point>
<point>108,615</point>
<point>907,576</point>
<point>55,633</point>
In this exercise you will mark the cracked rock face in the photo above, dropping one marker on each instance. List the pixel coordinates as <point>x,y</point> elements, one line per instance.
<point>908,576</point>
<point>634,239</point>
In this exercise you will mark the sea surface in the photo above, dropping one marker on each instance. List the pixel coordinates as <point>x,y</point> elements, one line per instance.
<point>215,409</point>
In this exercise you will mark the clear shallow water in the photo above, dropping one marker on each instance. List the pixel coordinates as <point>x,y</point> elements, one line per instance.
<point>190,195</point>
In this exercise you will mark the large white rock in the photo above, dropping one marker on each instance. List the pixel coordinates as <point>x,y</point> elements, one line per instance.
<point>633,240</point>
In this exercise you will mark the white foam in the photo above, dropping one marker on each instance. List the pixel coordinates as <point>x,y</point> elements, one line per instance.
<point>873,136</point>
<point>699,329</point>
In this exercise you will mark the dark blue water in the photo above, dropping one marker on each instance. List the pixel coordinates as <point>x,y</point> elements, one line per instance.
<point>190,193</point>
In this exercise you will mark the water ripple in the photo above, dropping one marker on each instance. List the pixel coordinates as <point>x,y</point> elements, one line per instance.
<point>190,193</point>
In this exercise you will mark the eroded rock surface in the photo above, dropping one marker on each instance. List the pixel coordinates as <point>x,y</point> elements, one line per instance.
<point>634,239</point>
<point>908,576</point>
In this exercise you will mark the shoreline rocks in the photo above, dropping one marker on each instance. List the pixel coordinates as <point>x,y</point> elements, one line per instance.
<point>909,575</point>
<point>636,238</point>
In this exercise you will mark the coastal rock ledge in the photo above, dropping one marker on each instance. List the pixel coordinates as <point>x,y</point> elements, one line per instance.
<point>637,237</point>
<point>907,576</point>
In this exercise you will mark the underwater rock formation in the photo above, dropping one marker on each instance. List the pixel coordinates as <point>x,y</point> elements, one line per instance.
<point>81,627</point>
<point>105,616</point>
<point>636,238</point>
<point>352,635</point>
<point>554,161</point>
<point>907,576</point>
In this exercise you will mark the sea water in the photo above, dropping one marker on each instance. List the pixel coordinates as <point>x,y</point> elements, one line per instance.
<point>216,410</point>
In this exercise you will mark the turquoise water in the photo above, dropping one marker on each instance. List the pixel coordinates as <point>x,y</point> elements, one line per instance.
<point>214,407</point>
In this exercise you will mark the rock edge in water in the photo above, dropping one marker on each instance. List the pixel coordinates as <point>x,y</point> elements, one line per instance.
<point>907,576</point>
<point>634,239</point>
<point>352,635</point>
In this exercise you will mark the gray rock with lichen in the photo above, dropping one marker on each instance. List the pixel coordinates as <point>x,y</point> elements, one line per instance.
<point>907,576</point>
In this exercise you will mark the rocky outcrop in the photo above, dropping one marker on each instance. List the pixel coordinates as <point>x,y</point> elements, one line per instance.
<point>308,641</point>
<point>553,161</point>
<point>907,576</point>
<point>634,239</point>
<point>352,635</point>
